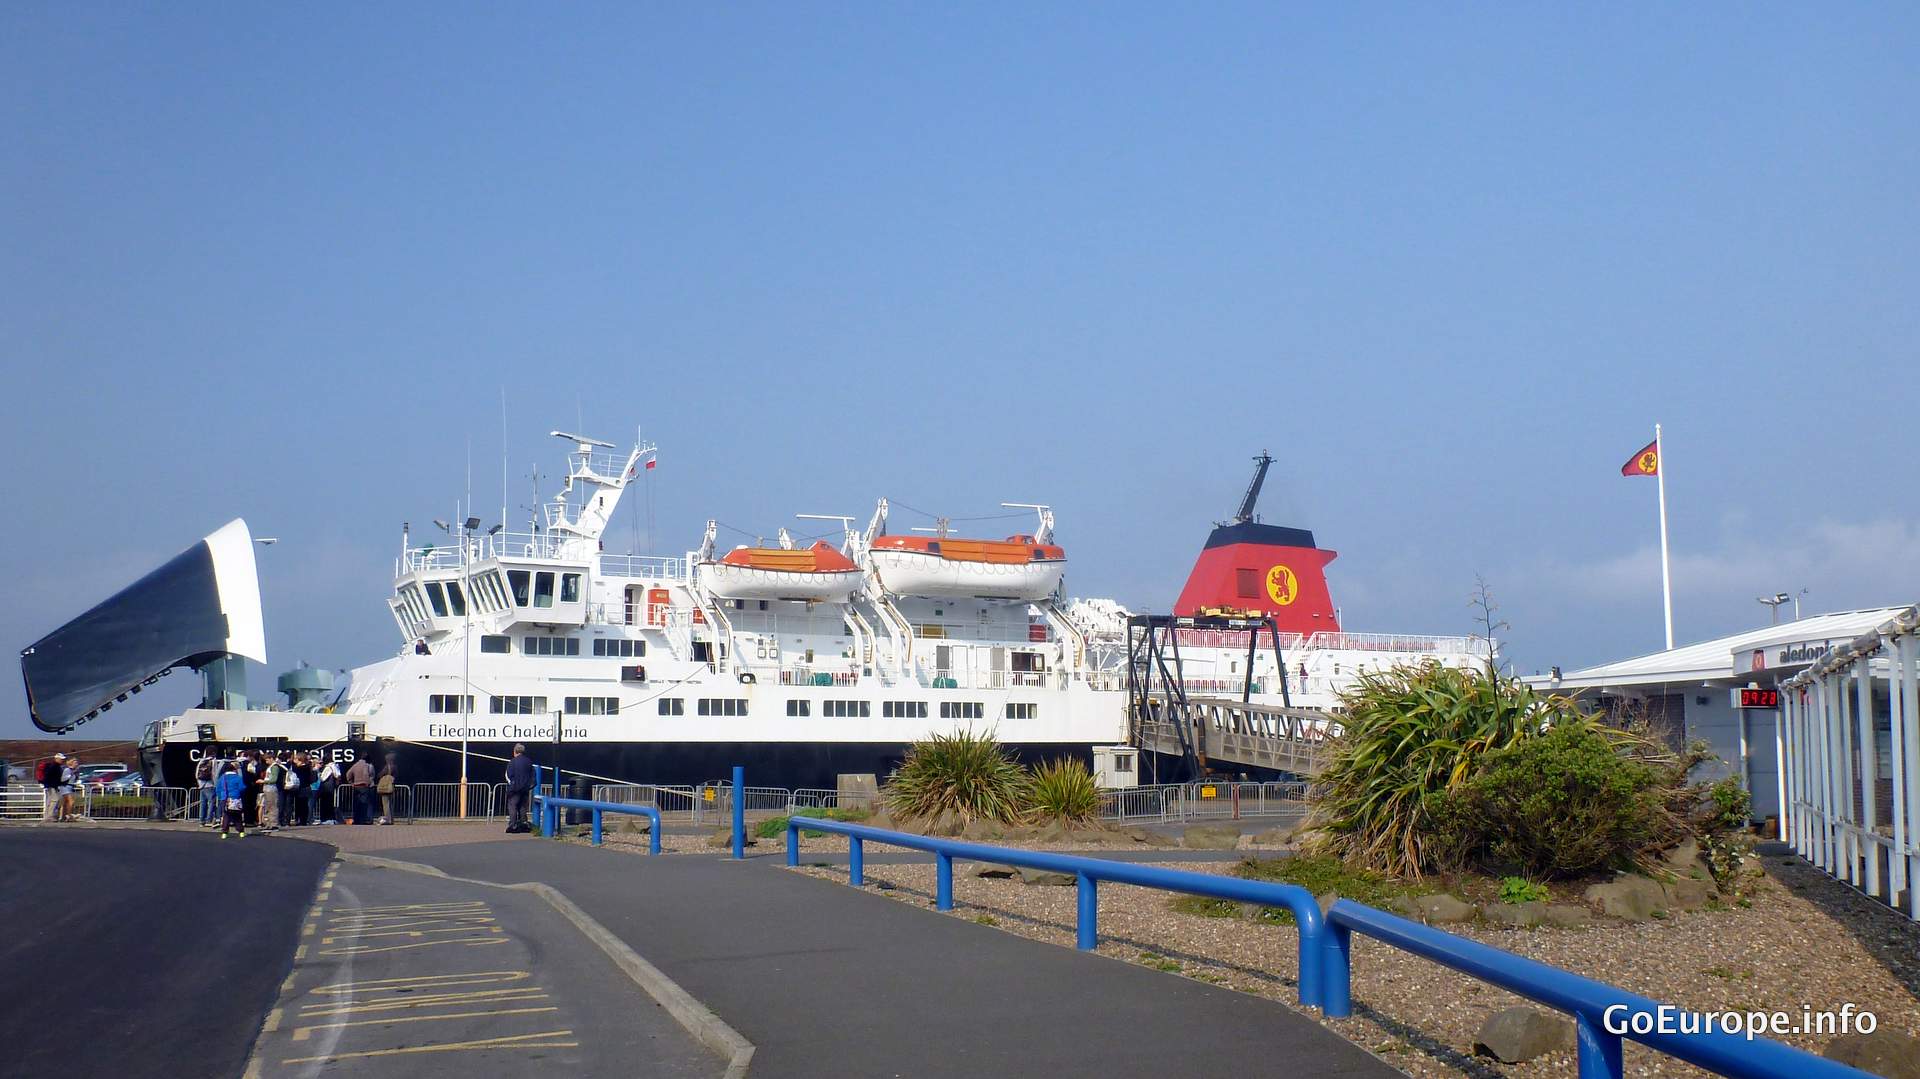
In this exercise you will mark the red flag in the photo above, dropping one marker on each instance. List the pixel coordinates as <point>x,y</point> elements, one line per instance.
<point>651,461</point>
<point>1644,463</point>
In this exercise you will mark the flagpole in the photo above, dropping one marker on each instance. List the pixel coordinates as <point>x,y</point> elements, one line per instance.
<point>1666,569</point>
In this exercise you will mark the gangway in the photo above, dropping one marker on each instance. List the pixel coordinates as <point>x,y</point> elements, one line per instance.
<point>1223,731</point>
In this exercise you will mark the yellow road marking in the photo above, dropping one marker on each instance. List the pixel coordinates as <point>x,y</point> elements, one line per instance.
<point>465,978</point>
<point>342,925</point>
<point>273,1019</point>
<point>447,905</point>
<point>299,953</point>
<point>434,1000</point>
<point>480,943</point>
<point>475,928</point>
<point>516,1041</point>
<point>301,1034</point>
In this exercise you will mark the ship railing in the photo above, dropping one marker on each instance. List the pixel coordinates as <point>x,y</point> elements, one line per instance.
<point>441,801</point>
<point>1216,800</point>
<point>650,567</point>
<point>1398,642</point>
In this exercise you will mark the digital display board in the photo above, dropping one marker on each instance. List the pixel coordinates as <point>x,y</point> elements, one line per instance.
<point>1757,698</point>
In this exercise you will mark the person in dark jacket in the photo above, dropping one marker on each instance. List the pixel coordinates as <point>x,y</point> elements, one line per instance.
<point>519,790</point>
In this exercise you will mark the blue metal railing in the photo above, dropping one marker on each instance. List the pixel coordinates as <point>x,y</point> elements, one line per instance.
<point>1326,945</point>
<point>1591,1003</point>
<point>549,809</point>
<point>1087,872</point>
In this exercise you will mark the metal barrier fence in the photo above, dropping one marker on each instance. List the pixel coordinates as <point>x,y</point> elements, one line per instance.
<point>549,809</point>
<point>1604,1015</point>
<point>1201,801</point>
<point>21,802</point>
<point>439,801</point>
<point>144,803</point>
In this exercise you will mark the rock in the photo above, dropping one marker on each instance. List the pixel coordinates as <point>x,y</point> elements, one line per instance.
<point>1304,838</point>
<point>1632,897</point>
<point>1518,915</point>
<point>1054,832</point>
<point>1211,837</point>
<point>882,819</point>
<point>1085,834</point>
<point>724,838</point>
<point>1273,837</point>
<point>1044,878</point>
<point>1689,893</point>
<point>1440,909</point>
<point>1517,1034</point>
<point>636,826</point>
<point>1684,856</point>
<point>946,823</point>
<point>1252,912</point>
<point>1566,915</point>
<point>1884,1052</point>
<point>1149,837</point>
<point>1017,833</point>
<point>995,872</point>
<point>981,829</point>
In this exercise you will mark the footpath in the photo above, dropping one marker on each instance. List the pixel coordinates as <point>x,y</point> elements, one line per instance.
<point>831,981</point>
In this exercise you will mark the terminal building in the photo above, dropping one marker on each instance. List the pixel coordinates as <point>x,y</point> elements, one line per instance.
<point>1727,692</point>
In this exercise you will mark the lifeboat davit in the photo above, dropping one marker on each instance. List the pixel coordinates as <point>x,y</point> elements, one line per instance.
<point>1018,567</point>
<point>817,573</point>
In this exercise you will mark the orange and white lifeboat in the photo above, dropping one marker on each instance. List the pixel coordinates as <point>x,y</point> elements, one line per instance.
<point>1018,567</point>
<point>818,573</point>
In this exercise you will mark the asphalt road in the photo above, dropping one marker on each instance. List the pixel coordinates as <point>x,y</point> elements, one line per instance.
<point>144,953</point>
<point>832,981</point>
<point>412,976</point>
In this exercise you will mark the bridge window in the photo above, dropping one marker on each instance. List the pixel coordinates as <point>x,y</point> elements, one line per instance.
<point>621,647</point>
<point>456,602</point>
<point>518,706</point>
<point>496,643</point>
<point>673,706</point>
<point>543,590</point>
<point>450,702</point>
<point>519,579</point>
<point>570,588</point>
<point>551,646</point>
<point>438,598</point>
<point>591,706</point>
<point>799,708</point>
<point>962,710</point>
<point>1016,710</point>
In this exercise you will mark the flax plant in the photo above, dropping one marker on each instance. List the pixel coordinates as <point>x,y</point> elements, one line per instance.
<point>962,777</point>
<point>1410,735</point>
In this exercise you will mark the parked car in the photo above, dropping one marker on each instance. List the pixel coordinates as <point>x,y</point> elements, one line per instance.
<point>126,784</point>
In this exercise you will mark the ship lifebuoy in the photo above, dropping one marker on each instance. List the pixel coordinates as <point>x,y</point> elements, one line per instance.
<point>746,678</point>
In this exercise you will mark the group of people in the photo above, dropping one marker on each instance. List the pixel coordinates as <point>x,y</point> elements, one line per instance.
<point>292,788</point>
<point>59,778</point>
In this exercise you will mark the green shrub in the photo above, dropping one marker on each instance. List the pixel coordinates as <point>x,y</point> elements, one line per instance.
<point>1565,803</point>
<point>966,776</point>
<point>1063,790</point>
<point>775,827</point>
<point>1522,890</point>
<point>1410,735</point>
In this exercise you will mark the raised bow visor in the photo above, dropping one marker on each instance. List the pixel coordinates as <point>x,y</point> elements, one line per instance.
<point>199,605</point>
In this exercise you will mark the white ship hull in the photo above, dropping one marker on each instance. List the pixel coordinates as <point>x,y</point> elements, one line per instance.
<point>916,573</point>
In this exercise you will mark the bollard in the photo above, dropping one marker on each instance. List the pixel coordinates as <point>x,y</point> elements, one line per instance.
<point>856,862</point>
<point>793,842</point>
<point>596,826</point>
<point>739,812</point>
<point>1087,926</point>
<point>943,886</point>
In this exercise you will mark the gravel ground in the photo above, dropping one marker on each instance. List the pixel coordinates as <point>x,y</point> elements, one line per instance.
<point>1806,941</point>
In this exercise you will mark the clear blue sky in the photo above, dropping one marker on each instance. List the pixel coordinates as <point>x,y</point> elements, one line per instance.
<point>1450,266</point>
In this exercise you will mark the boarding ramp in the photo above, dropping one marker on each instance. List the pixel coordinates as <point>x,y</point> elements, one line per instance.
<point>1224,733</point>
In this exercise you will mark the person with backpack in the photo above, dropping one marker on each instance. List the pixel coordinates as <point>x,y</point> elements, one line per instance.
<point>287,791</point>
<point>387,785</point>
<point>329,787</point>
<point>49,777</point>
<point>69,782</point>
<point>231,791</point>
<point>203,774</point>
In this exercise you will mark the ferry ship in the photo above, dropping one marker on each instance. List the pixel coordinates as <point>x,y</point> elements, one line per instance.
<point>802,662</point>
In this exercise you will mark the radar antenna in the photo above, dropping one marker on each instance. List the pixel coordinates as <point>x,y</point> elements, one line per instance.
<point>1260,465</point>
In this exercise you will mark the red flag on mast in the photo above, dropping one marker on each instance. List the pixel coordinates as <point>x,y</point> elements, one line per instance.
<point>1644,463</point>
